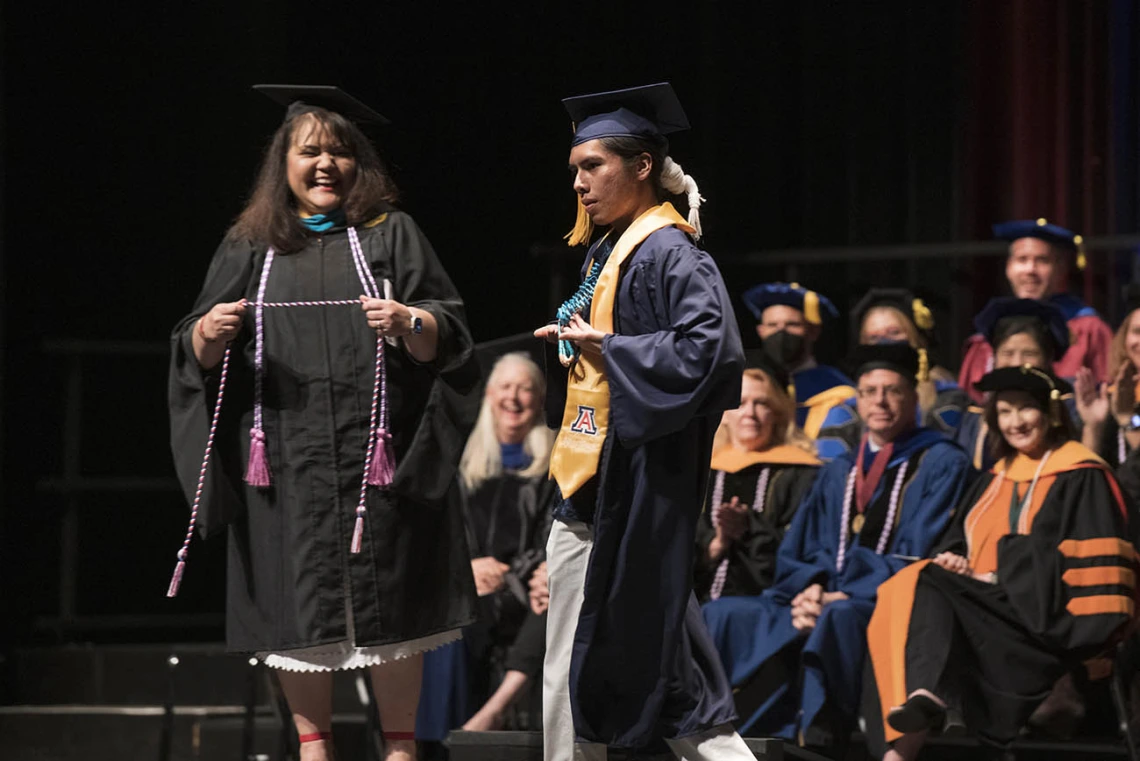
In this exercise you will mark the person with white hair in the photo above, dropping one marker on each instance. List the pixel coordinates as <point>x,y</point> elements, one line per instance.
<point>654,357</point>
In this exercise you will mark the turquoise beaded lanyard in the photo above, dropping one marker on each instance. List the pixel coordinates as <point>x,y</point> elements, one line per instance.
<point>579,302</point>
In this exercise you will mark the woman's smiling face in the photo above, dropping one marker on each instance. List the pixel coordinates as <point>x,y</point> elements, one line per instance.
<point>1022,422</point>
<point>320,170</point>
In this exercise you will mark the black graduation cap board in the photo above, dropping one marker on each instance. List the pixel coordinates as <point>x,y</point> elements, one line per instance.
<point>328,97</point>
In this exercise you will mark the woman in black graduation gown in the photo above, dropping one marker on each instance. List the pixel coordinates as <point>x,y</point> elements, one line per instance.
<point>353,370</point>
<point>762,466</point>
<point>1037,576</point>
<point>506,498</point>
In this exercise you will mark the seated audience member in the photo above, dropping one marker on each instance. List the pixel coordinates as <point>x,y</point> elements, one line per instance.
<point>795,653</point>
<point>1020,332</point>
<point>1109,411</point>
<point>505,496</point>
<point>762,466</point>
<point>1035,578</point>
<point>894,315</point>
<point>789,320</point>
<point>1040,258</point>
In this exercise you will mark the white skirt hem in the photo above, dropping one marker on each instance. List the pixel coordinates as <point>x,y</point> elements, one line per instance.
<point>343,656</point>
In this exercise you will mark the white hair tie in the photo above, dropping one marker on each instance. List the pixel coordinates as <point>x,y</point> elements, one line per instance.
<point>674,180</point>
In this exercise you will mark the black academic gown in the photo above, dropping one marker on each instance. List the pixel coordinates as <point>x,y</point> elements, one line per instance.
<point>1064,587</point>
<point>643,667</point>
<point>752,558</point>
<point>290,576</point>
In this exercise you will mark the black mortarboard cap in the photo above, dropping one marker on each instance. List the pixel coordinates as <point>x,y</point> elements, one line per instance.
<point>1001,308</point>
<point>647,111</point>
<point>900,357</point>
<point>301,98</point>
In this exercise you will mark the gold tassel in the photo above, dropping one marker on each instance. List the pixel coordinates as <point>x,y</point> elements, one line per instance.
<point>1082,260</point>
<point>923,374</point>
<point>583,227</point>
<point>923,319</point>
<point>1055,408</point>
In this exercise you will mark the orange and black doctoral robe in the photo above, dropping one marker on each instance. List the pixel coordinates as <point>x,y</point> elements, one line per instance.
<point>1064,588</point>
<point>772,483</point>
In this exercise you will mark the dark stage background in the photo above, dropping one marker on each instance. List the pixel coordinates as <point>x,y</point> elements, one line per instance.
<point>130,139</point>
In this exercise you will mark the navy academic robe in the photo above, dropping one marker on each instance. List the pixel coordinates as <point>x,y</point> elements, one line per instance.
<point>643,667</point>
<point>818,390</point>
<point>828,664</point>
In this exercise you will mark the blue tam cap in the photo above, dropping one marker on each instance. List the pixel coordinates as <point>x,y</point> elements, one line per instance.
<point>815,307</point>
<point>1049,316</point>
<point>1037,228</point>
<point>647,112</point>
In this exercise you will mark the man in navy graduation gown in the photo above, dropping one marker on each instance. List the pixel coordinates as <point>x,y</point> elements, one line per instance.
<point>654,359</point>
<point>795,653</point>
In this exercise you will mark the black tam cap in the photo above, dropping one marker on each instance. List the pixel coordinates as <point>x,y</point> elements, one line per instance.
<point>900,357</point>
<point>302,98</point>
<point>759,359</point>
<point>1041,384</point>
<point>912,307</point>
<point>647,111</point>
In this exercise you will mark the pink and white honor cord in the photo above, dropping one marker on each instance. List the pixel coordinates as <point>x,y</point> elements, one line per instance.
<point>378,419</point>
<point>717,499</point>
<point>888,524</point>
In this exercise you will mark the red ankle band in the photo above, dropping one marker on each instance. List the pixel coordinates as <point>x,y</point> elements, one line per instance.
<point>399,735</point>
<point>314,736</point>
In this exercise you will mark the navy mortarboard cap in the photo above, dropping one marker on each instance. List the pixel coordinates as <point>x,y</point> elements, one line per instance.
<point>1034,380</point>
<point>302,98</point>
<point>1050,317</point>
<point>1038,228</point>
<point>815,306</point>
<point>759,359</point>
<point>649,111</point>
<point>900,357</point>
<point>901,299</point>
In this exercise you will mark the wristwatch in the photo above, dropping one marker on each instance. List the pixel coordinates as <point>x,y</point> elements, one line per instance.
<point>417,324</point>
<point>1133,422</point>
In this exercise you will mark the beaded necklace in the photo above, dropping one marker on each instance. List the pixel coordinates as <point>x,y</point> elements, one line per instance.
<point>580,301</point>
<point>379,462</point>
<point>717,499</point>
<point>888,524</point>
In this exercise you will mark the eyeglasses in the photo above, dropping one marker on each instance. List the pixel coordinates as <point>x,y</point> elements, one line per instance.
<point>874,392</point>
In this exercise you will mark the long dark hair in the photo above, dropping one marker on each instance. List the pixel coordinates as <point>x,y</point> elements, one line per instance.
<point>270,216</point>
<point>629,148</point>
<point>1055,435</point>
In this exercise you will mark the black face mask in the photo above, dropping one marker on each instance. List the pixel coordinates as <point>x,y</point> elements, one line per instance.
<point>787,347</point>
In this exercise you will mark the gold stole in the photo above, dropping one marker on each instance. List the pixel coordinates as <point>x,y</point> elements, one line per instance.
<point>578,448</point>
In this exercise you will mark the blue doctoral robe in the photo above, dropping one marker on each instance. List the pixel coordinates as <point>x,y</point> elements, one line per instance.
<point>643,666</point>
<point>751,631</point>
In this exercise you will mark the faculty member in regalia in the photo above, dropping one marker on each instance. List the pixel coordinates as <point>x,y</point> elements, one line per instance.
<point>334,342</point>
<point>762,466</point>
<point>1036,578</point>
<point>654,358</point>
<point>795,653</point>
